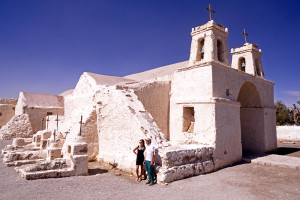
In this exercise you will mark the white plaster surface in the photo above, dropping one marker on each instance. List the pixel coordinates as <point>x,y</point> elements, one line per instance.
<point>279,161</point>
<point>288,133</point>
<point>163,71</point>
<point>122,122</point>
<point>67,92</point>
<point>155,97</point>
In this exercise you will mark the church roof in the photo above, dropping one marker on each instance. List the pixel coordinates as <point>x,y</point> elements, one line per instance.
<point>67,92</point>
<point>107,80</point>
<point>43,100</point>
<point>157,72</point>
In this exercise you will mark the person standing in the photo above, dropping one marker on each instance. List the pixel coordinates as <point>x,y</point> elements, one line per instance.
<point>139,151</point>
<point>149,161</point>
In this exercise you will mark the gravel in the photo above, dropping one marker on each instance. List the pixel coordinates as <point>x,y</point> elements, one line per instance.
<point>242,181</point>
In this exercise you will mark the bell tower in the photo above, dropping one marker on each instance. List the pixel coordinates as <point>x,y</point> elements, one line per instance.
<point>209,43</point>
<point>247,58</point>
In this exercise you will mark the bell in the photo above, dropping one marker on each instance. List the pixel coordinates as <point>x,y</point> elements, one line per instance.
<point>243,64</point>
<point>202,49</point>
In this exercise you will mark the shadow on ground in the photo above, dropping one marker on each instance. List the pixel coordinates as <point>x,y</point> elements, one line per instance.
<point>286,150</point>
<point>97,171</point>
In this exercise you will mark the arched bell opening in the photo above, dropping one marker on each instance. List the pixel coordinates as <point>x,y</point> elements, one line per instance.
<point>220,50</point>
<point>257,68</point>
<point>200,52</point>
<point>242,64</point>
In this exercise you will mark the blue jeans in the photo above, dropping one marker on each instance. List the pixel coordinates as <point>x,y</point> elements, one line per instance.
<point>149,170</point>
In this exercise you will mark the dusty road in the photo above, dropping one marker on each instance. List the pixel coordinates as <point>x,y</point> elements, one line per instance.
<point>243,181</point>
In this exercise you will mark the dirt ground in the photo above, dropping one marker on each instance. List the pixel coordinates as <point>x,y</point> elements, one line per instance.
<point>242,181</point>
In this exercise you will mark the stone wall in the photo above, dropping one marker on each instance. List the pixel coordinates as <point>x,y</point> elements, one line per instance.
<point>18,126</point>
<point>122,122</point>
<point>82,103</point>
<point>8,101</point>
<point>228,82</point>
<point>90,134</point>
<point>37,114</point>
<point>288,133</point>
<point>155,96</point>
<point>228,147</point>
<point>196,92</point>
<point>182,162</point>
<point>7,110</point>
<point>270,129</point>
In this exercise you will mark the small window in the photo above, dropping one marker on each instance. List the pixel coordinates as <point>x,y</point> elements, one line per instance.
<point>49,113</point>
<point>200,53</point>
<point>220,51</point>
<point>0,113</point>
<point>188,119</point>
<point>69,149</point>
<point>242,64</point>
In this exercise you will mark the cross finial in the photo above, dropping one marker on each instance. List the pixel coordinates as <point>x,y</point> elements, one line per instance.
<point>246,34</point>
<point>210,11</point>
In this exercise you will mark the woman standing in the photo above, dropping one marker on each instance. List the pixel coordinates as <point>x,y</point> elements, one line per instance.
<point>139,151</point>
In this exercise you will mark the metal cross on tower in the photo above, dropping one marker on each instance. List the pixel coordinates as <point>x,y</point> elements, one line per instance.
<point>246,34</point>
<point>80,125</point>
<point>210,11</point>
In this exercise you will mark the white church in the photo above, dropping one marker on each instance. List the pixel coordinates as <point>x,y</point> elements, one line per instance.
<point>202,114</point>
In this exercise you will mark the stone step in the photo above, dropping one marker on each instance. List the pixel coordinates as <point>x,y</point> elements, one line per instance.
<point>276,160</point>
<point>22,162</point>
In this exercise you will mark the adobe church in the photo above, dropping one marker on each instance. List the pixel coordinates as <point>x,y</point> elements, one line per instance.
<point>202,115</point>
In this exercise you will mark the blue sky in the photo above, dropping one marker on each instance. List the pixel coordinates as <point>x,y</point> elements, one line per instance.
<point>46,45</point>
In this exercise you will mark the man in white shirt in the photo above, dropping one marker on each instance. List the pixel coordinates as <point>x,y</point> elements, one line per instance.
<point>149,160</point>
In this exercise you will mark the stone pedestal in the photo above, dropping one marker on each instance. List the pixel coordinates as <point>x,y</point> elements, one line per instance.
<point>53,152</point>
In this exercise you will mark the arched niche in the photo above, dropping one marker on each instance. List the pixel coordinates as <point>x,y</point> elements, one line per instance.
<point>251,119</point>
<point>249,96</point>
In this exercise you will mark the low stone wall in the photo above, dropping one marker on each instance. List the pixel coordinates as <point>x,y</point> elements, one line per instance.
<point>288,133</point>
<point>8,101</point>
<point>179,163</point>
<point>7,111</point>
